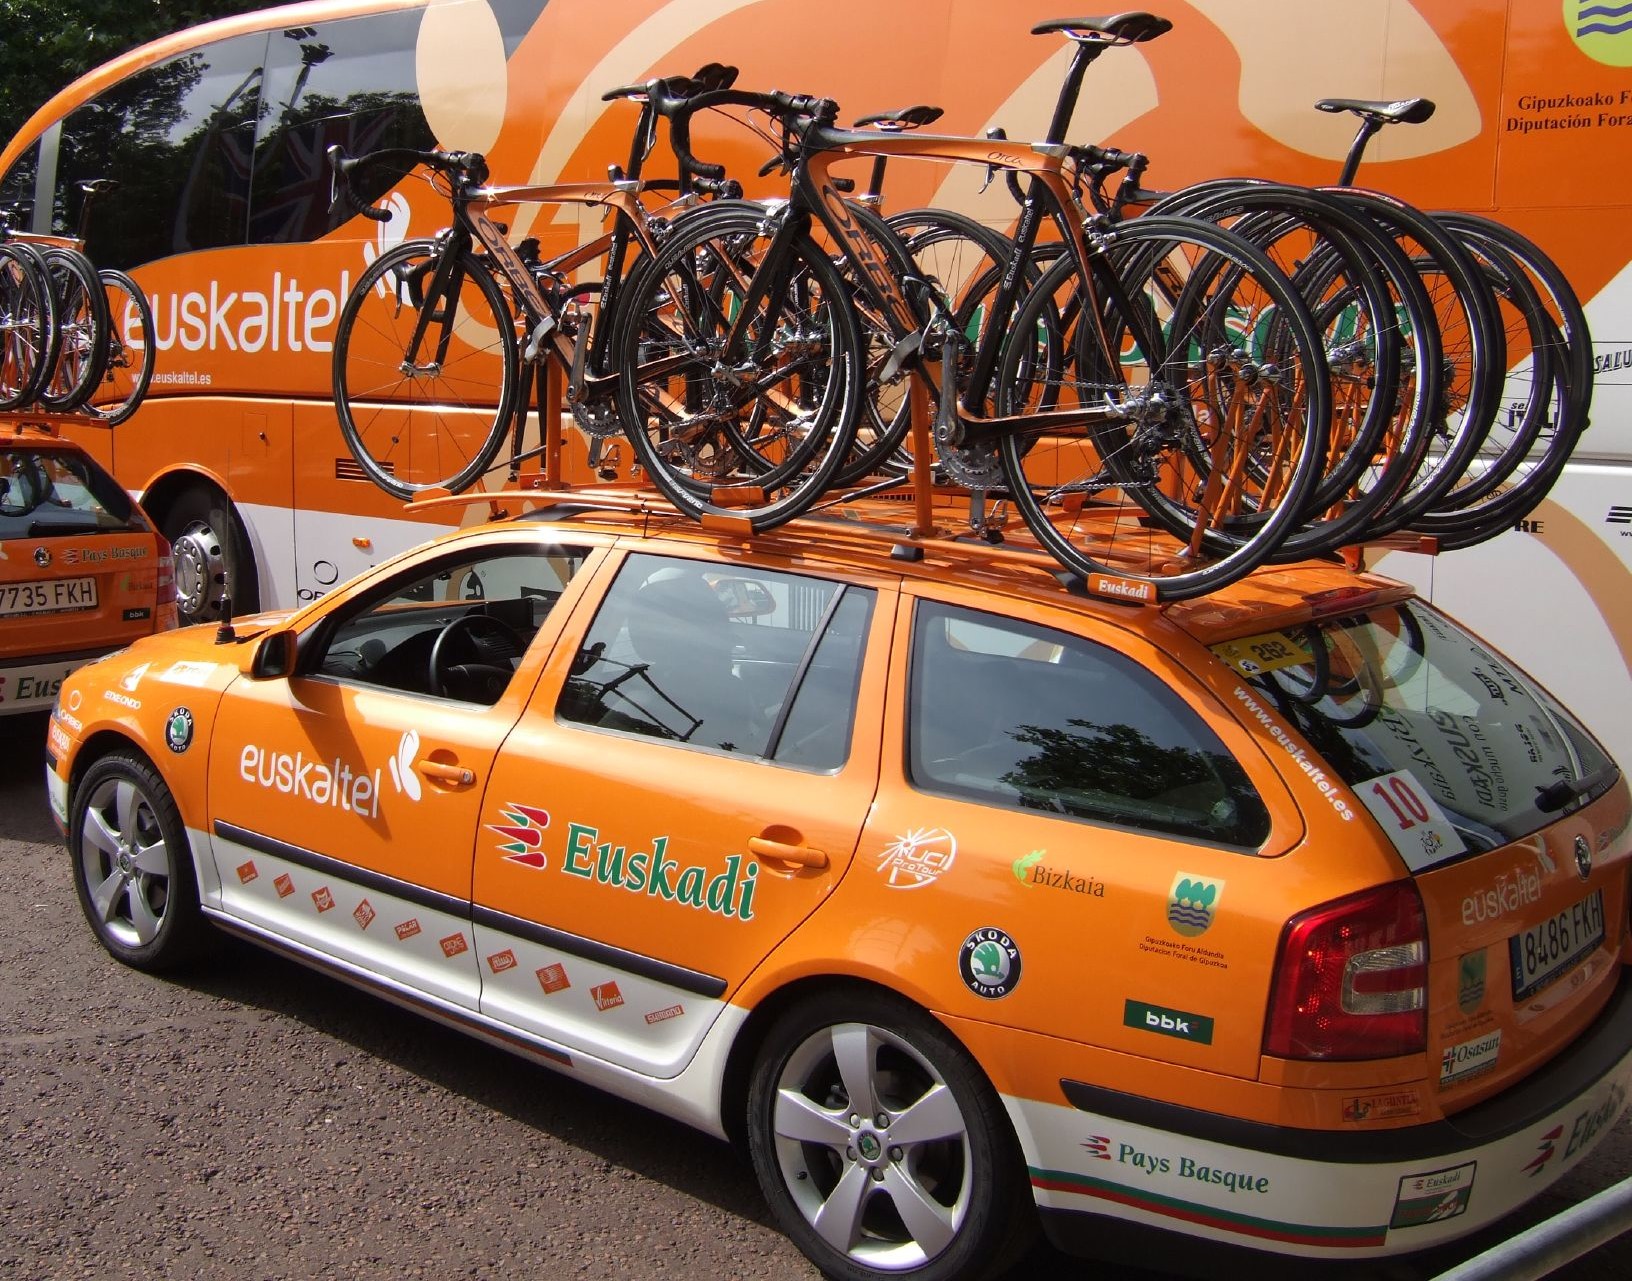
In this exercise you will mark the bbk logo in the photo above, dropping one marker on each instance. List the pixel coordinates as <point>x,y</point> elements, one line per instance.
<point>1165,1022</point>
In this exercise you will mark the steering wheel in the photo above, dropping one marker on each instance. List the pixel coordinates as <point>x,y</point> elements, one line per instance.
<point>467,628</point>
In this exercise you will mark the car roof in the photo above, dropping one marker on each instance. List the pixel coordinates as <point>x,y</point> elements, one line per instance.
<point>875,535</point>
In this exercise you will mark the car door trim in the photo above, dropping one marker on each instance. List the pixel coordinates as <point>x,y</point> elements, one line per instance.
<point>378,881</point>
<point>637,963</point>
<point>410,998</point>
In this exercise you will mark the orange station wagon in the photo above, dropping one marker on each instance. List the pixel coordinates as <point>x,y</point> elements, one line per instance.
<point>82,571</point>
<point>1293,919</point>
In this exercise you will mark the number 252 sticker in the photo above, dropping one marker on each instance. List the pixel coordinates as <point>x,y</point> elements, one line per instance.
<point>1411,818</point>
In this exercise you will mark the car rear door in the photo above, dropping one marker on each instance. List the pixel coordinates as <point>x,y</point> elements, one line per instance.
<point>686,787</point>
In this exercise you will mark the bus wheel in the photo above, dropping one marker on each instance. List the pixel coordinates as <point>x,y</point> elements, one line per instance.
<point>212,560</point>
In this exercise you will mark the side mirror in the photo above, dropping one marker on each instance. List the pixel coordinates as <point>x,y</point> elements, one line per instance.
<point>745,597</point>
<point>274,656</point>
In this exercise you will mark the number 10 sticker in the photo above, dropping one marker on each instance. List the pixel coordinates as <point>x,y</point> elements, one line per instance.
<point>1411,818</point>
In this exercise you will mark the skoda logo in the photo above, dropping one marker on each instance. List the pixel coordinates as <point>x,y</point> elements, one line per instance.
<point>42,556</point>
<point>1583,857</point>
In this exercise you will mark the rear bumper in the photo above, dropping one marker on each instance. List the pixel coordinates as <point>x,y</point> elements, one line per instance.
<point>30,684</point>
<point>1325,1194</point>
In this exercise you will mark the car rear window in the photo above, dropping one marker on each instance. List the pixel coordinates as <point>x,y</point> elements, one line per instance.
<point>1014,714</point>
<point>1451,747</point>
<point>53,492</point>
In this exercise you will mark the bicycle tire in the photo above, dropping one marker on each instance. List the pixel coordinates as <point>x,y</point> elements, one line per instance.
<point>28,324</point>
<point>1471,342</point>
<point>885,407</point>
<point>1237,331</point>
<point>1548,391</point>
<point>1135,460</point>
<point>415,425</point>
<point>82,330</point>
<point>128,371</point>
<point>741,378</point>
<point>1358,285</point>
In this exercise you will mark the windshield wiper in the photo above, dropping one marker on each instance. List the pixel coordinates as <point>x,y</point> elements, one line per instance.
<point>1555,796</point>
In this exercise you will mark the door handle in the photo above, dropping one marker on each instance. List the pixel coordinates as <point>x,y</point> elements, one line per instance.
<point>803,855</point>
<point>456,775</point>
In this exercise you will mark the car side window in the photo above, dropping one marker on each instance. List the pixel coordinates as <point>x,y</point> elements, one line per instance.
<point>753,662</point>
<point>1014,714</point>
<point>454,629</point>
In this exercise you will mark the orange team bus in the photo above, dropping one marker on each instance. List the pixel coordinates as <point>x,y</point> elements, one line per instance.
<point>217,136</point>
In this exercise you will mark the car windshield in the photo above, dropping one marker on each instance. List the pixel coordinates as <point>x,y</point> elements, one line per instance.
<point>46,492</point>
<point>1442,740</point>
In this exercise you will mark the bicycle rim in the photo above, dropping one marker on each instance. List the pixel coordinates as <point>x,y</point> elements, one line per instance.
<point>82,329</point>
<point>129,367</point>
<point>28,325</point>
<point>741,373</point>
<point>427,411</point>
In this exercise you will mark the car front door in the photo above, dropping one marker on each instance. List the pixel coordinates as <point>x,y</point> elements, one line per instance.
<point>687,785</point>
<point>343,799</point>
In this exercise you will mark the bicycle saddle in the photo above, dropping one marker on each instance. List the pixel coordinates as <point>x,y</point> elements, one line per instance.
<point>1119,28</point>
<point>906,118</point>
<point>1402,111</point>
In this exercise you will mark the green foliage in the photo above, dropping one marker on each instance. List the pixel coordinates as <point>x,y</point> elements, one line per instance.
<point>54,41</point>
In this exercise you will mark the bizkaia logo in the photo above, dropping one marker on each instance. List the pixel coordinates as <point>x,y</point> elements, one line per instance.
<point>335,784</point>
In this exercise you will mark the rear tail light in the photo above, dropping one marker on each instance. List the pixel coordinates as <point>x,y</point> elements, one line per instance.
<point>1351,979</point>
<point>164,613</point>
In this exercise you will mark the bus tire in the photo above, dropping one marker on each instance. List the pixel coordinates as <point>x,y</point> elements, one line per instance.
<point>212,556</point>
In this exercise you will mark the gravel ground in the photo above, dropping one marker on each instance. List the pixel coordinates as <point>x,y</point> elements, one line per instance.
<point>253,1120</point>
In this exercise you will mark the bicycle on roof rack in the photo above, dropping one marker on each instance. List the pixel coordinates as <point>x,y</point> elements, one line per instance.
<point>441,339</point>
<point>1090,474</point>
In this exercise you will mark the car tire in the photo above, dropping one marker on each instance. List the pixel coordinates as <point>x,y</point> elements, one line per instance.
<point>133,865</point>
<point>211,557</point>
<point>846,1188</point>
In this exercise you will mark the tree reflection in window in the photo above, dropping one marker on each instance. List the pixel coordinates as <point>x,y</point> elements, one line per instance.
<point>1014,714</point>
<point>1118,774</point>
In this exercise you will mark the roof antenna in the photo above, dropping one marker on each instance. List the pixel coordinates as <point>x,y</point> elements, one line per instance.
<point>224,635</point>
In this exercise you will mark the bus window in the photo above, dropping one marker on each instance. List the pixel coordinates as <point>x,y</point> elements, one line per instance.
<point>350,82</point>
<point>17,191</point>
<point>177,136</point>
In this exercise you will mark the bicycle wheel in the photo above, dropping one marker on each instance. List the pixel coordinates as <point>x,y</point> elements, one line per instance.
<point>1220,451</point>
<point>82,329</point>
<point>425,369</point>
<point>885,404</point>
<point>1546,395</point>
<point>129,367</point>
<point>741,365</point>
<point>1473,351</point>
<point>28,325</point>
<point>1367,302</point>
